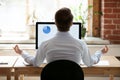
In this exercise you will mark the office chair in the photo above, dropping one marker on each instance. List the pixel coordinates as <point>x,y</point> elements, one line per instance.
<point>62,70</point>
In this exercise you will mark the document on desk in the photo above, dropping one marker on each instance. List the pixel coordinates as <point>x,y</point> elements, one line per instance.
<point>3,61</point>
<point>7,60</point>
<point>100,63</point>
<point>27,64</point>
<point>103,63</point>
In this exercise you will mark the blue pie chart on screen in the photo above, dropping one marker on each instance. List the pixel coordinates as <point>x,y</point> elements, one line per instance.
<point>46,29</point>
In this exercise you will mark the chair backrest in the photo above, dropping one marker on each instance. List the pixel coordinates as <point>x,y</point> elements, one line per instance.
<point>62,70</point>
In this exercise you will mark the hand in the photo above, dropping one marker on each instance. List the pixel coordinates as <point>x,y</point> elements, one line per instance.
<point>17,49</point>
<point>105,49</point>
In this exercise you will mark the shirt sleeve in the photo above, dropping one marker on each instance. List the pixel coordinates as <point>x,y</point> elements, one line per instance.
<point>34,60</point>
<point>40,56</point>
<point>88,59</point>
<point>28,58</point>
<point>96,57</point>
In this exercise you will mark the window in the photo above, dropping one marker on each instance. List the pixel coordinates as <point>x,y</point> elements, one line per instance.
<point>17,15</point>
<point>12,19</point>
<point>47,9</point>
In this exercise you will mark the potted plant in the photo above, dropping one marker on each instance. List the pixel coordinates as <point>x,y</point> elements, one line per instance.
<point>82,16</point>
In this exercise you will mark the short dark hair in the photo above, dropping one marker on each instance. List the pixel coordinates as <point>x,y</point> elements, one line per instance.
<point>63,19</point>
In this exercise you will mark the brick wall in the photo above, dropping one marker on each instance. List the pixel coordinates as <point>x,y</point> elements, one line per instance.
<point>111,21</point>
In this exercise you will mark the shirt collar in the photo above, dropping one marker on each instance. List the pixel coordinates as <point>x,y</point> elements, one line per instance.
<point>63,33</point>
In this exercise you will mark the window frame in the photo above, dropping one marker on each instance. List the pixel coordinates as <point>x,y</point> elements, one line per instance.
<point>96,28</point>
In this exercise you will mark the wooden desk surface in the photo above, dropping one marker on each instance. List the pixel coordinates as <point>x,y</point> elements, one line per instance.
<point>107,61</point>
<point>6,65</point>
<point>7,61</point>
<point>113,68</point>
<point>20,63</point>
<point>112,62</point>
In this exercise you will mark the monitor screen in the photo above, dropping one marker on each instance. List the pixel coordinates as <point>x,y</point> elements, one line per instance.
<point>47,30</point>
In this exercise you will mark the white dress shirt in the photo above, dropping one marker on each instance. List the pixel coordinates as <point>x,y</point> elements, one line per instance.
<point>63,46</point>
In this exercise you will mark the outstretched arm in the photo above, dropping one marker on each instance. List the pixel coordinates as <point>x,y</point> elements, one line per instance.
<point>98,54</point>
<point>28,58</point>
<point>95,58</point>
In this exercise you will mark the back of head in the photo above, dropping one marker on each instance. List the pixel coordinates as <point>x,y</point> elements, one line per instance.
<point>62,70</point>
<point>63,19</point>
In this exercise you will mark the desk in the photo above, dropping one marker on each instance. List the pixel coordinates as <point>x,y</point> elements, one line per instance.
<point>5,69</point>
<point>113,69</point>
<point>21,69</point>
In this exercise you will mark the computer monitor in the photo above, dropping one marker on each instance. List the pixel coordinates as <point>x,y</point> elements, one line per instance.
<point>47,30</point>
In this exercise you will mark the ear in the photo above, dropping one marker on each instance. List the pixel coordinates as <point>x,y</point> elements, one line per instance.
<point>71,23</point>
<point>55,23</point>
